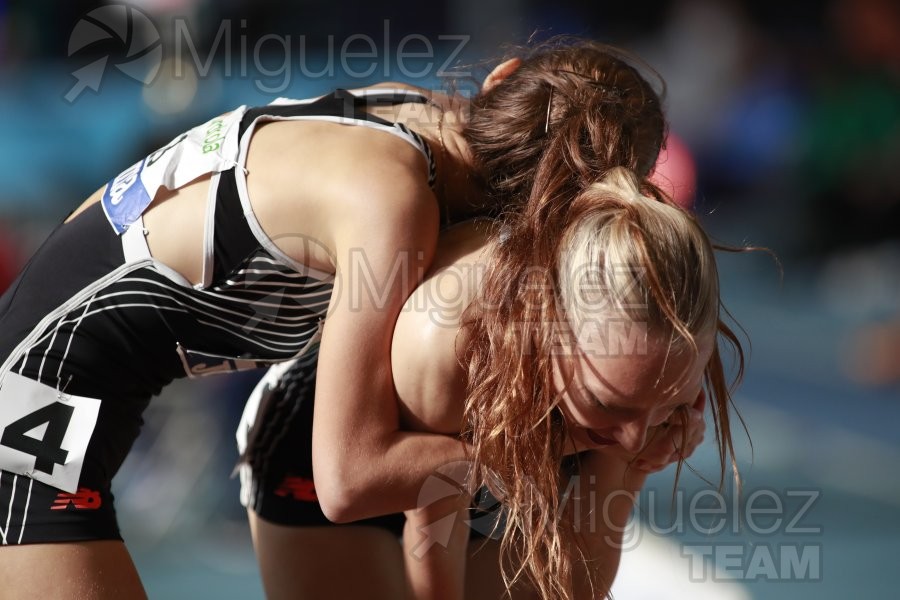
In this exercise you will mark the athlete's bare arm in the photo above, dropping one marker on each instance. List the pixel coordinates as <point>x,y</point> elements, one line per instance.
<point>431,388</point>
<point>372,210</point>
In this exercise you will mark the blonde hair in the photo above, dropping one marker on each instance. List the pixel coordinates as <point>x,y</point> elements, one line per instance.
<point>648,260</point>
<point>604,257</point>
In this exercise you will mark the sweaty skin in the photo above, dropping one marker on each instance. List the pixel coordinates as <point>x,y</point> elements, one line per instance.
<point>429,380</point>
<point>628,419</point>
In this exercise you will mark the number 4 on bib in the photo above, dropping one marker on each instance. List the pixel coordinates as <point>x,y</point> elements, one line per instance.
<point>42,434</point>
<point>47,451</point>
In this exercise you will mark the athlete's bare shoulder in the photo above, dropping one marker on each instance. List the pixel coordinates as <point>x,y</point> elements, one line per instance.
<point>311,180</point>
<point>427,340</point>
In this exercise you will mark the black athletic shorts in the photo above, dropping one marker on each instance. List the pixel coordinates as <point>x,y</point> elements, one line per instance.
<point>280,489</point>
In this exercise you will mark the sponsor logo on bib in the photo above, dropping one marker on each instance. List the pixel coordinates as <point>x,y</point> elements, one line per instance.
<point>125,198</point>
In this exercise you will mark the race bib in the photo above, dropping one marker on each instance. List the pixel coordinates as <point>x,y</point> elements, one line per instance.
<point>44,434</point>
<point>208,148</point>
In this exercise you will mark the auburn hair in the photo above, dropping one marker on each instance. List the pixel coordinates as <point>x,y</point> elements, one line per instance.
<point>571,111</point>
<point>564,145</point>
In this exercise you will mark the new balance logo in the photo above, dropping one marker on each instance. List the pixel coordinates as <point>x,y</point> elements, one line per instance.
<point>83,499</point>
<point>299,488</point>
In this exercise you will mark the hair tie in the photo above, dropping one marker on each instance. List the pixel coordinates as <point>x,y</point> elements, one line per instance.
<point>549,104</point>
<point>504,234</point>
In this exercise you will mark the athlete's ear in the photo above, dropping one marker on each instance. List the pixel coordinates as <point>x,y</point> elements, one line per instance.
<point>500,72</point>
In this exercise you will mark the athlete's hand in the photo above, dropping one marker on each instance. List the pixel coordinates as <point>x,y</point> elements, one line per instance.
<point>674,440</point>
<point>666,443</point>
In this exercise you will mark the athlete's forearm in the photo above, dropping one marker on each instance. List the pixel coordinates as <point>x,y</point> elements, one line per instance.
<point>378,476</point>
<point>435,540</point>
<point>601,503</point>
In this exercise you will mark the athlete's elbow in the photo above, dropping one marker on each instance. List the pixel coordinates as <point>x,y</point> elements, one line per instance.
<point>339,492</point>
<point>340,507</point>
<point>337,508</point>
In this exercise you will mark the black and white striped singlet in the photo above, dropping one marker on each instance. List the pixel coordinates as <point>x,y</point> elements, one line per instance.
<point>94,314</point>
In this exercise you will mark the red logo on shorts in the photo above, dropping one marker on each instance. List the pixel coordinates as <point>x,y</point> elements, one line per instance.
<point>83,499</point>
<point>300,488</point>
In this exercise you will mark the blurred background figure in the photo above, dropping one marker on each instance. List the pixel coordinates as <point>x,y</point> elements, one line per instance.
<point>852,149</point>
<point>873,359</point>
<point>784,133</point>
<point>676,173</point>
<point>9,257</point>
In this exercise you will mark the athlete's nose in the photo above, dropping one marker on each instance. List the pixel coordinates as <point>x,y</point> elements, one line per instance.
<point>632,435</point>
